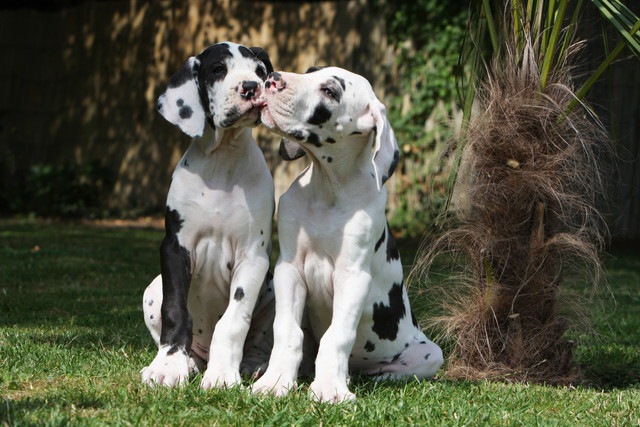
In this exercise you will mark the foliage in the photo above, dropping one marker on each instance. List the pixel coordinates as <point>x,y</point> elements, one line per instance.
<point>426,36</point>
<point>531,184</point>
<point>68,190</point>
<point>73,341</point>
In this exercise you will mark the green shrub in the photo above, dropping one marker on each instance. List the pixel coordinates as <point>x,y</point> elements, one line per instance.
<point>427,36</point>
<point>69,190</point>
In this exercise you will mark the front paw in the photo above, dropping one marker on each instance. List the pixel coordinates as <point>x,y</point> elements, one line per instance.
<point>330,391</point>
<point>274,384</point>
<point>167,369</point>
<point>219,378</point>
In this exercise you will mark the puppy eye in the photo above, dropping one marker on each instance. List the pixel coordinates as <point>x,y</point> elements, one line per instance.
<point>327,91</point>
<point>261,72</point>
<point>218,69</point>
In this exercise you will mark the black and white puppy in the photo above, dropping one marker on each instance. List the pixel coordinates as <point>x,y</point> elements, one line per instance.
<point>215,254</point>
<point>338,258</point>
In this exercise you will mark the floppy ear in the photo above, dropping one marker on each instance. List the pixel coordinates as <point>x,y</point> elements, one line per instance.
<point>385,154</point>
<point>290,150</point>
<point>180,103</point>
<point>262,55</point>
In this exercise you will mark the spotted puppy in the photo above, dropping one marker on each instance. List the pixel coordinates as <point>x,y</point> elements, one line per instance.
<point>338,259</point>
<point>215,253</point>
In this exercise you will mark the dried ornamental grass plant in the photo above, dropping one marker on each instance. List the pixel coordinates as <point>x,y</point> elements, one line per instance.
<point>526,207</point>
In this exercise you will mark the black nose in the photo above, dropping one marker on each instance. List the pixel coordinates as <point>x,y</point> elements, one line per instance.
<point>250,85</point>
<point>249,89</point>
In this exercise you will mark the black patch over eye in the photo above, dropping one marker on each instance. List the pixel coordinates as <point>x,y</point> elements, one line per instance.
<point>217,72</point>
<point>261,72</point>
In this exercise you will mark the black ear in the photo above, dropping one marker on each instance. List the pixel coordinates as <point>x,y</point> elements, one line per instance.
<point>262,55</point>
<point>290,150</point>
<point>312,69</point>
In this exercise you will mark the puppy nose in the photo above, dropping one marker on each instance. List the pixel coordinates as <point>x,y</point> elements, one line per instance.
<point>249,89</point>
<point>274,82</point>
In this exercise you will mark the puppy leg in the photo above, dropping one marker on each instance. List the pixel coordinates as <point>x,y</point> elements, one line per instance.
<point>259,342</point>
<point>332,363</point>
<point>286,356</point>
<point>225,353</point>
<point>172,364</point>
<point>151,303</point>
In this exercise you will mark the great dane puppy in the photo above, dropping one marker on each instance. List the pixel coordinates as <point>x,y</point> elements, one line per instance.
<point>338,258</point>
<point>215,253</point>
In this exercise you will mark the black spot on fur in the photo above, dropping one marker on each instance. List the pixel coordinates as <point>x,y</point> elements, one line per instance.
<point>150,302</point>
<point>380,240</point>
<point>321,114</point>
<point>369,346</point>
<point>313,69</point>
<point>330,140</point>
<point>245,52</point>
<point>392,248</point>
<point>180,102</point>
<point>392,167</point>
<point>396,357</point>
<point>341,81</point>
<point>329,159</point>
<point>185,112</point>
<point>233,114</point>
<point>314,139</point>
<point>151,317</point>
<point>297,134</point>
<point>426,357</point>
<point>239,294</point>
<point>386,318</point>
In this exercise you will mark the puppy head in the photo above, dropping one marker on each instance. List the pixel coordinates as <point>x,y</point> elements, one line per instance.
<point>221,85</point>
<point>329,112</point>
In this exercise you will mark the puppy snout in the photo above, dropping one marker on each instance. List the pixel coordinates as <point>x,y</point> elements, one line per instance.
<point>274,82</point>
<point>250,89</point>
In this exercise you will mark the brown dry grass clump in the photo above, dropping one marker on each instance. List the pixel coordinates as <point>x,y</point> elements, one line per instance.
<point>527,219</point>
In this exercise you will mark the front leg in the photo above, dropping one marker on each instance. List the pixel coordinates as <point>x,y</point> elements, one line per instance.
<point>290,291</point>
<point>332,363</point>
<point>225,352</point>
<point>171,365</point>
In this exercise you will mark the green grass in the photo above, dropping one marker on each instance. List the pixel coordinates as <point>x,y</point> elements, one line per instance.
<point>72,341</point>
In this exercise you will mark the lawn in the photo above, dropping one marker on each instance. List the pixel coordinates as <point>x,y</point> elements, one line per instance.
<point>72,341</point>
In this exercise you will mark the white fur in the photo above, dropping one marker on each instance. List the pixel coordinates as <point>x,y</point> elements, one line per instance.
<point>329,222</point>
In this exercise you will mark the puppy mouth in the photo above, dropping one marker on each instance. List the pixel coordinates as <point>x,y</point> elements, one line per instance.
<point>245,114</point>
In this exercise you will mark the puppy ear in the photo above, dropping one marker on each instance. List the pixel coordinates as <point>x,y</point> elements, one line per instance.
<point>180,103</point>
<point>262,55</point>
<point>385,147</point>
<point>290,150</point>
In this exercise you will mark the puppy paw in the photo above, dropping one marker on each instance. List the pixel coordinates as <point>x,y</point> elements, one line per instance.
<point>330,391</point>
<point>167,369</point>
<point>220,378</point>
<point>274,384</point>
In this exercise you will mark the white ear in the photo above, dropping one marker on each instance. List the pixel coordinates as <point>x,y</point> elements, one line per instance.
<point>180,103</point>
<point>385,147</point>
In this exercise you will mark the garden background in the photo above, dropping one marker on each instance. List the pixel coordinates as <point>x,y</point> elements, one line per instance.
<point>82,151</point>
<point>80,137</point>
